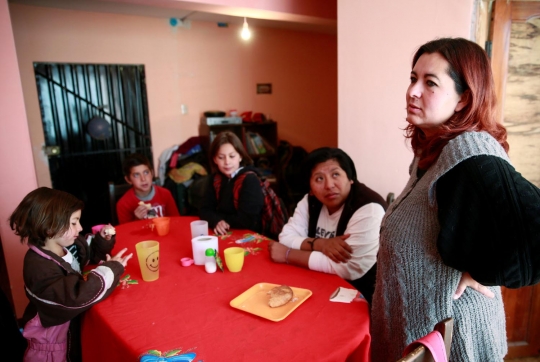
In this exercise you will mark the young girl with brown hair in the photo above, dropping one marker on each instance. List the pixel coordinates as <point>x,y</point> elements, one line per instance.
<point>229,161</point>
<point>48,221</point>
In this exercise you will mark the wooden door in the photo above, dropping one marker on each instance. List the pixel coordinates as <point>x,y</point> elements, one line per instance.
<point>516,69</point>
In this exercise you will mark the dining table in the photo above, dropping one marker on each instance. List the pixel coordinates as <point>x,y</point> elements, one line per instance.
<point>186,314</point>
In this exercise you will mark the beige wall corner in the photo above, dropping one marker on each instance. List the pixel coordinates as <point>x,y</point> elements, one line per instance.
<point>376,42</point>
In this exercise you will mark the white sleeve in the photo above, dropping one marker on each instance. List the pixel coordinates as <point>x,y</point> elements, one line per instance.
<point>364,227</point>
<point>108,277</point>
<point>296,229</point>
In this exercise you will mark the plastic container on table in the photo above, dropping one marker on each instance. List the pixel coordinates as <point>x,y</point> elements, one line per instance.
<point>210,261</point>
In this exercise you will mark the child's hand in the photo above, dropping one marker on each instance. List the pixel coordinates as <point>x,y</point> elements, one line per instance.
<point>278,252</point>
<point>221,228</point>
<point>120,258</point>
<point>107,232</point>
<point>141,211</point>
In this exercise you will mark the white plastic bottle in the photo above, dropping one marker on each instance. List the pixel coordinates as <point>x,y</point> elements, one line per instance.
<point>210,261</point>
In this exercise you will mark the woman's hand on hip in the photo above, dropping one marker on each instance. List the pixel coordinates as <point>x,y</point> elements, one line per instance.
<point>468,281</point>
<point>335,248</point>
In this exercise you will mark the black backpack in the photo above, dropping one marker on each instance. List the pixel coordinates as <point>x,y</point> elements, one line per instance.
<point>290,178</point>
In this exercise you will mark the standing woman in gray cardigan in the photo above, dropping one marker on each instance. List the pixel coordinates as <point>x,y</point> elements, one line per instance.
<point>466,222</point>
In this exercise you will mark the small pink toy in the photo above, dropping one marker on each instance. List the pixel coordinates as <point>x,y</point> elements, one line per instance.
<point>96,229</point>
<point>186,261</point>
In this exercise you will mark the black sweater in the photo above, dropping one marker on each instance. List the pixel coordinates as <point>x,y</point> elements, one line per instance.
<point>250,202</point>
<point>490,222</point>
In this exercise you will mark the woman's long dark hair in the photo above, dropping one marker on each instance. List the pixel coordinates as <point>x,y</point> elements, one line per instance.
<point>359,194</point>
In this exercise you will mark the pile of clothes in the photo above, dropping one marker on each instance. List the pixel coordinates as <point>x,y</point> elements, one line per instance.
<point>183,170</point>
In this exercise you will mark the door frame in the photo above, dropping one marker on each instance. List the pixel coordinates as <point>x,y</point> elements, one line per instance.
<point>520,304</point>
<point>504,13</point>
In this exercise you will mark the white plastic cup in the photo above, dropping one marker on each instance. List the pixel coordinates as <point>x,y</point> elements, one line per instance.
<point>199,228</point>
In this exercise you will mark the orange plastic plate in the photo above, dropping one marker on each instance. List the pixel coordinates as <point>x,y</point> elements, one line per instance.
<point>255,301</point>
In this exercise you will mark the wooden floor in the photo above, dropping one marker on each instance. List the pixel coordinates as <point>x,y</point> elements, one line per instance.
<point>526,359</point>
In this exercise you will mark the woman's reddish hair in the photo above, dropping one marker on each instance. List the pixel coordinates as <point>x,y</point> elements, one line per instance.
<point>470,68</point>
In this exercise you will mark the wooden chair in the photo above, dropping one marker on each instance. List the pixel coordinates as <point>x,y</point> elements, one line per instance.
<point>422,354</point>
<point>115,193</point>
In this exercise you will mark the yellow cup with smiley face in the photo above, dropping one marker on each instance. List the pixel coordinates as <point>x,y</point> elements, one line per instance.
<point>148,255</point>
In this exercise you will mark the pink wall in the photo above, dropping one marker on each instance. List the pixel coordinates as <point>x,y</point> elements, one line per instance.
<point>203,67</point>
<point>209,68</point>
<point>377,40</point>
<point>18,174</point>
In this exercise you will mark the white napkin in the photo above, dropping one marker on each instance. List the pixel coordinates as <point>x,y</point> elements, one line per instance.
<point>344,295</point>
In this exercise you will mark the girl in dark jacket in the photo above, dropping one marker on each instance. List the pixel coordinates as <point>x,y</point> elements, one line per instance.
<point>234,197</point>
<point>48,220</point>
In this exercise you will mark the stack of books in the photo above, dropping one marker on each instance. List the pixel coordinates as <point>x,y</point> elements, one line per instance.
<point>256,144</point>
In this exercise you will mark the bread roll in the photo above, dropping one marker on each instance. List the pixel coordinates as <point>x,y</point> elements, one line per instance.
<point>148,206</point>
<point>280,296</point>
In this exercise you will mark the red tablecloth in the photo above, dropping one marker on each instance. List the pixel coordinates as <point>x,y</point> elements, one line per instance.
<point>188,309</point>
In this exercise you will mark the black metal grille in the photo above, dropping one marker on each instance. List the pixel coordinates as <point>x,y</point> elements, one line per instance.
<point>70,95</point>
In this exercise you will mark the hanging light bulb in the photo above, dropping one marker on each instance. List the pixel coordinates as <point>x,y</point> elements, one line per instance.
<point>246,33</point>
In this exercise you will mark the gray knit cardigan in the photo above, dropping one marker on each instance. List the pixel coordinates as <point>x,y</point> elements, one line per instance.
<point>414,287</point>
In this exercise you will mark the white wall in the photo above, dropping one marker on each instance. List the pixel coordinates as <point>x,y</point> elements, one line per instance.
<point>376,42</point>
